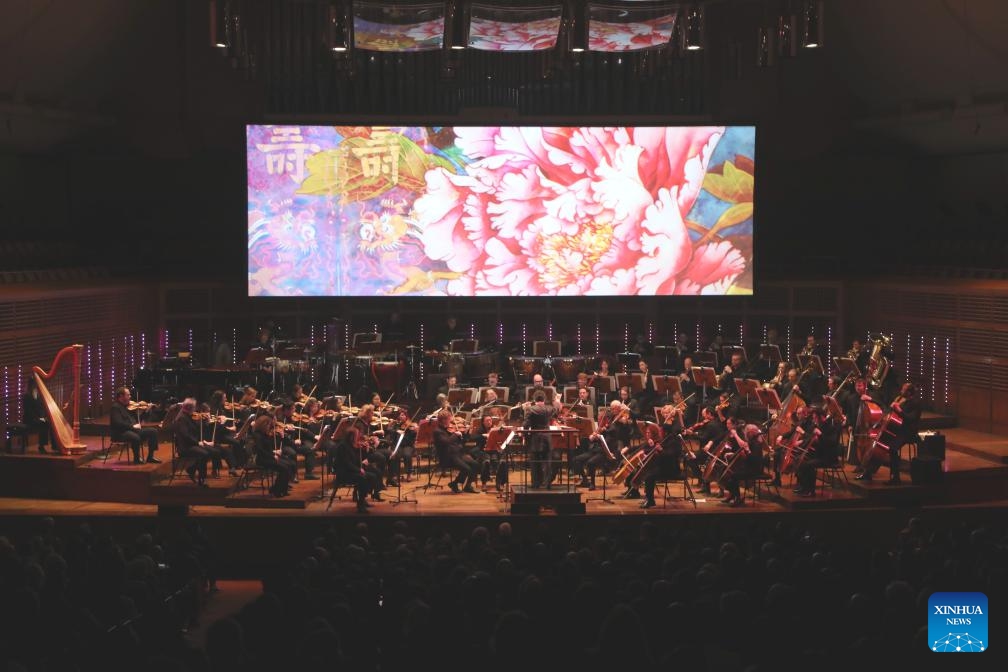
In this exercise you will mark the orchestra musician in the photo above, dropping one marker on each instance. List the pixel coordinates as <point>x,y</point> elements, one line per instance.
<point>801,429</point>
<point>190,443</point>
<point>823,450</point>
<point>298,395</point>
<point>735,369</point>
<point>709,431</point>
<point>125,427</point>
<point>365,444</point>
<point>297,439</point>
<point>226,435</point>
<point>401,425</point>
<point>688,386</point>
<point>219,451</point>
<point>268,454</point>
<point>450,447</point>
<point>33,414</point>
<point>860,355</point>
<point>646,397</point>
<point>581,406</point>
<point>451,383</point>
<point>907,410</point>
<point>616,426</point>
<point>667,453</point>
<point>485,461</point>
<point>489,398</point>
<point>350,466</point>
<point>749,464</point>
<point>727,406</point>
<point>626,398</point>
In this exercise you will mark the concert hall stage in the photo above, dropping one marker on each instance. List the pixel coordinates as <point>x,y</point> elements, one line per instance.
<point>975,470</point>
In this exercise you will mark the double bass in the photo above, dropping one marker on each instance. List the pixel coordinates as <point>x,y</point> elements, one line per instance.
<point>866,430</point>
<point>885,437</point>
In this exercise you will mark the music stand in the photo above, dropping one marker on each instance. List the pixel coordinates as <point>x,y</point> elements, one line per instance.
<point>813,361</point>
<point>548,390</point>
<point>770,353</point>
<point>628,360</point>
<point>604,386</point>
<point>604,498</point>
<point>705,358</point>
<point>770,399</point>
<point>460,396</point>
<point>399,499</point>
<point>704,377</point>
<point>635,381</point>
<point>846,367</point>
<point>666,386</point>
<point>747,387</point>
<point>728,350</point>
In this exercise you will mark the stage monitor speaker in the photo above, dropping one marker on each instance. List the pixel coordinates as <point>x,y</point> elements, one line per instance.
<point>926,471</point>
<point>932,445</point>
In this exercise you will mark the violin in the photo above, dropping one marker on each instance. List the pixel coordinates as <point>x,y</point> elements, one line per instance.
<point>140,405</point>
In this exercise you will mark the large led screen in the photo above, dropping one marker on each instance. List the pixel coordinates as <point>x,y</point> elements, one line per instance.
<point>500,211</point>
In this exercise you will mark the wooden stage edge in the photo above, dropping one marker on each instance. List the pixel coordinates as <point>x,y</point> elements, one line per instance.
<point>975,472</point>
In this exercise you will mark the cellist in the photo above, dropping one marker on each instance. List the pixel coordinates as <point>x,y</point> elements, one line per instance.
<point>666,452</point>
<point>823,450</point>
<point>900,427</point>
<point>616,426</point>
<point>747,462</point>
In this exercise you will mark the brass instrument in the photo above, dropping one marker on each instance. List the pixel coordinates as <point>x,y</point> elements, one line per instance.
<point>778,377</point>
<point>878,362</point>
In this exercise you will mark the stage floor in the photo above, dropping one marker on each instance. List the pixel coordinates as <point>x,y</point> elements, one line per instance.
<point>975,470</point>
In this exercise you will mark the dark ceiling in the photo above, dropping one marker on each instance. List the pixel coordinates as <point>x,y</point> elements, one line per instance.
<point>901,91</point>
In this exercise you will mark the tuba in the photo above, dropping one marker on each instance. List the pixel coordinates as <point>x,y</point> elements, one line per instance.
<point>878,363</point>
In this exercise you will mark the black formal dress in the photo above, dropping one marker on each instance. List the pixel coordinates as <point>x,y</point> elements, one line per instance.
<point>537,418</point>
<point>33,414</point>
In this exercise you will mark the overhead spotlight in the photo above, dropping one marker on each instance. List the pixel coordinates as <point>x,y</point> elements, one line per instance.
<point>459,27</point>
<point>693,35</point>
<point>812,24</point>
<point>336,29</point>
<point>579,30</point>
<point>218,24</point>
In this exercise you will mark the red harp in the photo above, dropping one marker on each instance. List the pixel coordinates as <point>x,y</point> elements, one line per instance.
<point>66,435</point>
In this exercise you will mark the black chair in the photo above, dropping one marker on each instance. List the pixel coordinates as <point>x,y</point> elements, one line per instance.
<point>179,462</point>
<point>754,485</point>
<point>254,472</point>
<point>17,431</point>
<point>832,474</point>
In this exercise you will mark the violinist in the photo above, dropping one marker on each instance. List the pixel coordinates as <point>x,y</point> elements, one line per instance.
<point>450,447</point>
<point>664,459</point>
<point>249,398</point>
<point>349,466</point>
<point>746,459</point>
<point>616,426</point>
<point>626,398</point>
<point>190,443</point>
<point>298,394</point>
<point>823,450</point>
<point>709,431</point>
<point>219,451</point>
<point>361,437</point>
<point>903,427</point>
<point>297,439</point>
<point>727,406</point>
<point>125,427</point>
<point>402,426</point>
<point>483,459</point>
<point>269,455</point>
